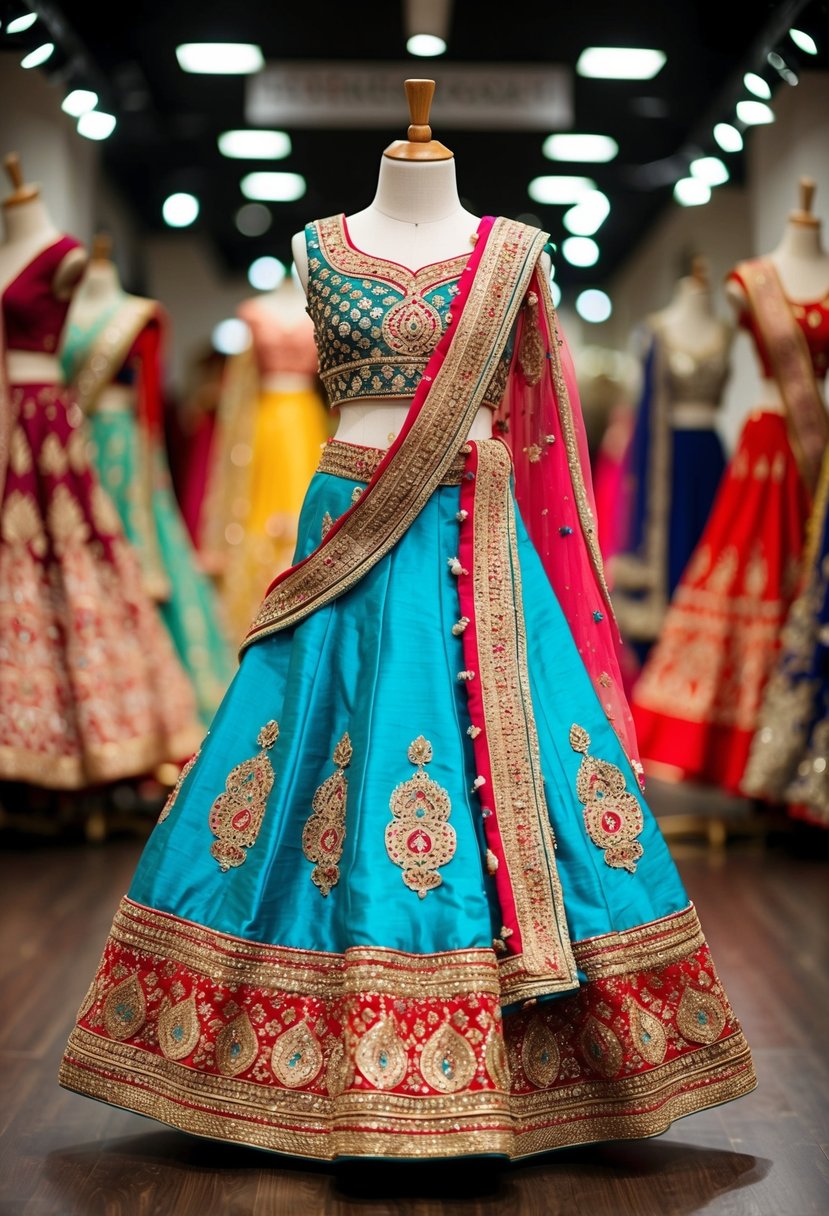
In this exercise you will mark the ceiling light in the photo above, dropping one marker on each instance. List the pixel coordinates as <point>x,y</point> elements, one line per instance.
<point>180,210</point>
<point>559,189</point>
<point>619,63</point>
<point>79,101</point>
<point>588,215</point>
<point>754,112</point>
<point>596,148</point>
<point>95,124</point>
<point>728,137</point>
<point>555,292</point>
<point>38,56</point>
<point>255,145</point>
<point>691,192</point>
<point>593,305</point>
<point>709,169</point>
<point>19,25</point>
<point>804,41</point>
<point>220,58</point>
<point>580,251</point>
<point>757,85</point>
<point>274,187</point>
<point>231,337</point>
<point>253,219</point>
<point>425,45</point>
<point>266,273</point>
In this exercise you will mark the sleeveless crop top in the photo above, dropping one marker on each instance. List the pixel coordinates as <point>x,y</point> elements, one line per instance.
<point>695,376</point>
<point>32,314</point>
<point>376,323</point>
<point>813,319</point>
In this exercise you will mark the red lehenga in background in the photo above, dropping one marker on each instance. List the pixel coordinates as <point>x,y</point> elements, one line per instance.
<point>90,688</point>
<point>697,701</point>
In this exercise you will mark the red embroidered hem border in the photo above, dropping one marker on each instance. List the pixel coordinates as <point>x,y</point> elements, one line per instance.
<point>380,1053</point>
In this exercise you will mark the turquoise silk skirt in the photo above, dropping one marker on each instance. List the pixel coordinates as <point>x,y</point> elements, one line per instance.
<point>343,940</point>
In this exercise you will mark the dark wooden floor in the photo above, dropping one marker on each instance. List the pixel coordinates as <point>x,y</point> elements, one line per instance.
<point>764,905</point>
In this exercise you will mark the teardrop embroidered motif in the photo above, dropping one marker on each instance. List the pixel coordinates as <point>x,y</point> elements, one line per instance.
<point>601,1048</point>
<point>324,833</point>
<point>647,1033</point>
<point>296,1058</point>
<point>700,1016</point>
<point>419,839</point>
<point>612,816</point>
<point>178,1028</point>
<point>125,1009</point>
<point>540,1056</point>
<point>381,1057</point>
<point>496,1059</point>
<point>236,816</point>
<point>236,1046</point>
<point>447,1061</point>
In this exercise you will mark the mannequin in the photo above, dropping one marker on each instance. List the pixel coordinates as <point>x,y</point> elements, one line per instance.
<point>415,218</point>
<point>84,658</point>
<point>698,699</point>
<point>270,425</point>
<point>802,264</point>
<point>113,355</point>
<point>357,978</point>
<point>675,458</point>
<point>28,228</point>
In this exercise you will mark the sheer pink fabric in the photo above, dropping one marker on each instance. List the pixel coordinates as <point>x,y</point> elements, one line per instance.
<point>545,431</point>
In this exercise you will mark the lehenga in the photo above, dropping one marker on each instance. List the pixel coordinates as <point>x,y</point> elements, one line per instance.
<point>408,900</point>
<point>91,690</point>
<point>671,473</point>
<point>271,424</point>
<point>114,366</point>
<point>697,700</point>
<point>788,762</point>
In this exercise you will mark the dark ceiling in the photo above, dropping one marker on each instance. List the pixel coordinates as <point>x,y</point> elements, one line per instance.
<point>168,121</point>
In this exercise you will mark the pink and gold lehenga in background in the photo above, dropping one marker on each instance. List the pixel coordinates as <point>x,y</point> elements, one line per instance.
<point>91,690</point>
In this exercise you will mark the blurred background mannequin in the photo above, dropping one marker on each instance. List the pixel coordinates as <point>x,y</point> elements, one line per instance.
<point>270,425</point>
<point>113,356</point>
<point>698,699</point>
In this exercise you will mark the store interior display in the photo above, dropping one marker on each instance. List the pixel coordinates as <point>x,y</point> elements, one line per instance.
<point>414,608</point>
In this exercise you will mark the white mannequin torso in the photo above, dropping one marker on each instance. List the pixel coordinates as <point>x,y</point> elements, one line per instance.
<point>416,218</point>
<point>803,268</point>
<point>28,231</point>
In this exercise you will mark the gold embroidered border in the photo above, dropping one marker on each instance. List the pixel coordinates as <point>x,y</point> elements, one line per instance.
<point>107,353</point>
<point>392,1125</point>
<point>356,463</point>
<point>546,963</point>
<point>645,948</point>
<point>233,960</point>
<point>788,352</point>
<point>417,466</point>
<point>353,262</point>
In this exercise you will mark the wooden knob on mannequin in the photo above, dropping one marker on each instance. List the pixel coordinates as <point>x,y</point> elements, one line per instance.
<point>804,215</point>
<point>419,145</point>
<point>101,247</point>
<point>21,192</point>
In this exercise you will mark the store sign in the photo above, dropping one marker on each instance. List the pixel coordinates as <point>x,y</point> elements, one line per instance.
<point>475,96</point>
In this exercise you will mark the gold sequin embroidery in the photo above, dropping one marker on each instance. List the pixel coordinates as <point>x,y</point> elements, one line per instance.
<point>236,815</point>
<point>176,790</point>
<point>447,1062</point>
<point>540,1057</point>
<point>602,1050</point>
<point>381,1056</point>
<point>324,832</point>
<point>178,1028</point>
<point>236,1046</point>
<point>125,1009</point>
<point>700,1016</point>
<point>419,839</point>
<point>612,815</point>
<point>296,1058</point>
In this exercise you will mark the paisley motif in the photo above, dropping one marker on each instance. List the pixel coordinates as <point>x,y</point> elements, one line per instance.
<point>296,1058</point>
<point>612,815</point>
<point>236,816</point>
<point>447,1061</point>
<point>236,1046</point>
<point>178,1028</point>
<point>419,839</point>
<point>381,1056</point>
<point>602,1050</point>
<point>700,1016</point>
<point>412,327</point>
<point>647,1033</point>
<point>125,1009</point>
<point>324,833</point>
<point>540,1057</point>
